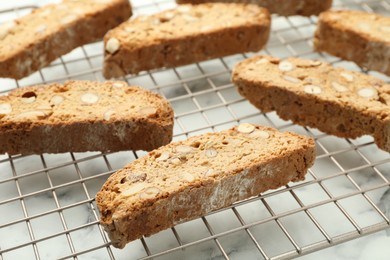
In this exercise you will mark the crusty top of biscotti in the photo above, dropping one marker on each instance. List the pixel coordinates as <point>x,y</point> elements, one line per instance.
<point>281,7</point>
<point>20,33</point>
<point>372,25</point>
<point>189,163</point>
<point>183,21</point>
<point>318,80</point>
<point>86,101</point>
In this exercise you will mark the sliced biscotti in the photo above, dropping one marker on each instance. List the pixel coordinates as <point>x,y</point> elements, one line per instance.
<point>35,40</point>
<point>356,36</point>
<point>313,93</point>
<point>184,35</point>
<point>281,7</point>
<point>188,179</point>
<point>81,116</point>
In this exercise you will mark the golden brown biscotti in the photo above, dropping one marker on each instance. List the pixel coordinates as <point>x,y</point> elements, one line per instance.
<point>188,179</point>
<point>356,36</point>
<point>313,93</point>
<point>32,42</point>
<point>281,7</point>
<point>81,116</point>
<point>184,35</point>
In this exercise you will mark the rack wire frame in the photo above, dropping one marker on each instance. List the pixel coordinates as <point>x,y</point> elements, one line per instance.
<point>204,100</point>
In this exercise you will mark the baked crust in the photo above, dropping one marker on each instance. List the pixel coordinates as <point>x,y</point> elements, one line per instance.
<point>356,36</point>
<point>33,41</point>
<point>313,93</point>
<point>281,7</point>
<point>191,178</point>
<point>81,116</point>
<point>184,35</point>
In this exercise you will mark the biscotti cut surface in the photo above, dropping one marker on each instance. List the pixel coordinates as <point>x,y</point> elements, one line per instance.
<point>35,40</point>
<point>184,35</point>
<point>313,93</point>
<point>356,36</point>
<point>81,116</point>
<point>281,7</point>
<point>188,179</point>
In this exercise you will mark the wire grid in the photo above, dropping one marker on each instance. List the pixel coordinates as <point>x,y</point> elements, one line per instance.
<point>47,204</point>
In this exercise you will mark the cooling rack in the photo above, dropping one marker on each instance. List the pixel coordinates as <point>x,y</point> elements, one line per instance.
<point>47,206</point>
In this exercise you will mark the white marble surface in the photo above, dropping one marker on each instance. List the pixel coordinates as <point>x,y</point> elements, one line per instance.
<point>48,199</point>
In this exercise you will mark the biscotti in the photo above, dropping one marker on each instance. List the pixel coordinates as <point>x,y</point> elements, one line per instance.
<point>356,36</point>
<point>184,35</point>
<point>281,7</point>
<point>313,93</point>
<point>32,42</point>
<point>81,116</point>
<point>191,178</point>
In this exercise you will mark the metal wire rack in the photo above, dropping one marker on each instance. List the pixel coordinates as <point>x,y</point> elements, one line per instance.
<point>47,207</point>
